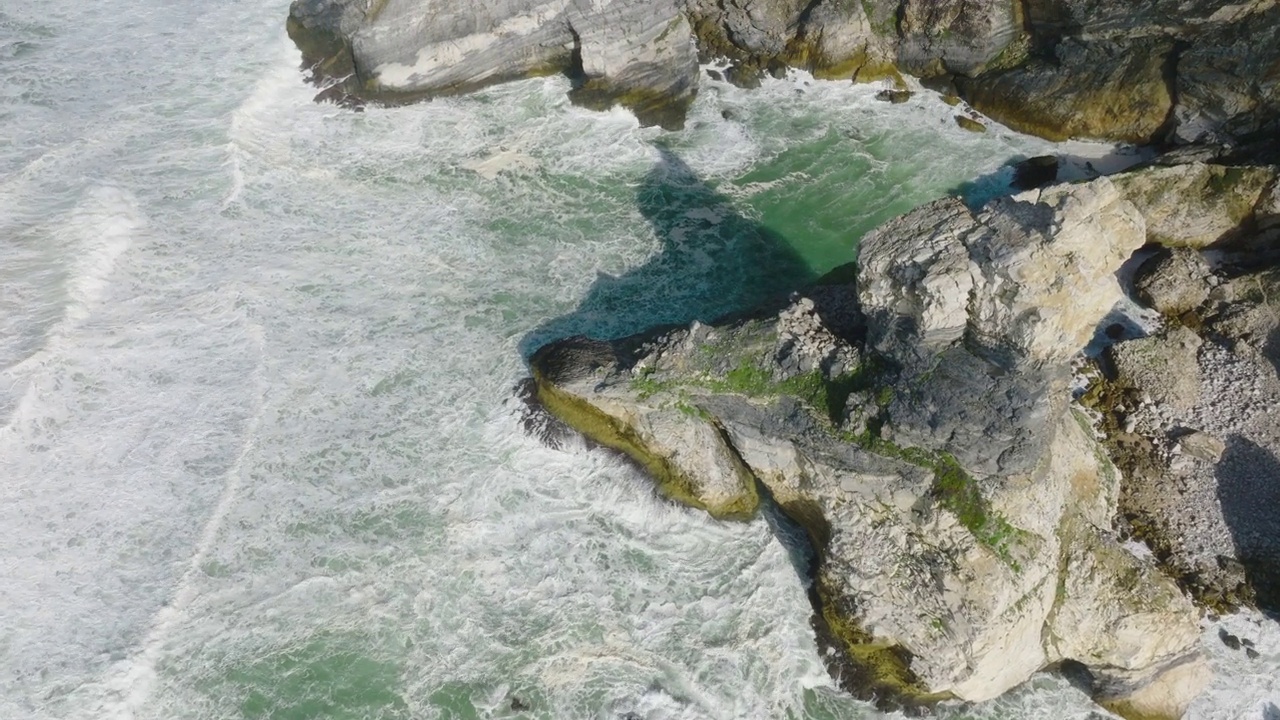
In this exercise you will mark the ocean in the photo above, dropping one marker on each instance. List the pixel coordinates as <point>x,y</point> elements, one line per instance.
<point>261,451</point>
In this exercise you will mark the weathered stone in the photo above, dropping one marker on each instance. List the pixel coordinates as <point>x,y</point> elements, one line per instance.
<point>1195,205</point>
<point>968,543</point>
<point>970,124</point>
<point>1173,281</point>
<point>1056,68</point>
<point>1100,89</point>
<point>1203,446</point>
<point>954,36</point>
<point>896,97</point>
<point>960,300</point>
<point>1162,367</point>
<point>639,54</point>
<point>1228,81</point>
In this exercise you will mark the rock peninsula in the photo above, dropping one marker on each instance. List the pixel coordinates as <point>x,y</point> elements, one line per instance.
<point>925,424</point>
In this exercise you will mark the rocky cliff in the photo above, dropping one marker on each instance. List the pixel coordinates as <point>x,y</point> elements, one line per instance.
<point>1155,70</point>
<point>921,425</point>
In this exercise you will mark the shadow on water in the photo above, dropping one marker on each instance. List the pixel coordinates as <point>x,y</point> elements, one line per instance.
<point>1249,491</point>
<point>712,261</point>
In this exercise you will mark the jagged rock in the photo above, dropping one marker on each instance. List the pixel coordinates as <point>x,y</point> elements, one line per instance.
<point>637,53</point>
<point>1174,281</point>
<point>1190,418</point>
<point>1057,68</point>
<point>1228,82</point>
<point>962,300</point>
<point>954,36</point>
<point>970,124</point>
<point>964,532</point>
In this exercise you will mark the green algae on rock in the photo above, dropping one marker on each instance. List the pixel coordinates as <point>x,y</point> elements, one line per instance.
<point>954,560</point>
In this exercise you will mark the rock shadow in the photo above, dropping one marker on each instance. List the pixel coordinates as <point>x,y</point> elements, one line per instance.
<point>713,261</point>
<point>1271,712</point>
<point>1249,491</point>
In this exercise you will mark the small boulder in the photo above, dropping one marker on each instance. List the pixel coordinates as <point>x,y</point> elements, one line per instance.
<point>897,97</point>
<point>1174,281</point>
<point>1162,366</point>
<point>1035,172</point>
<point>1202,445</point>
<point>970,124</point>
<point>745,76</point>
<point>1228,639</point>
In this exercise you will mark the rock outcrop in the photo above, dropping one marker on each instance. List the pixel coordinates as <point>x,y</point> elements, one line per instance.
<point>640,54</point>
<point>1191,412</point>
<point>920,426</point>
<point>1143,71</point>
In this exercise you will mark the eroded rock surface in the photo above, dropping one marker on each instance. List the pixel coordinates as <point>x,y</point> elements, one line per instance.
<point>921,428</point>
<point>1146,71</point>
<point>1193,416</point>
<point>638,53</point>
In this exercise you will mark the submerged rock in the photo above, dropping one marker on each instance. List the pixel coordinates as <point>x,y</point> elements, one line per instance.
<point>960,505</point>
<point>897,97</point>
<point>970,124</point>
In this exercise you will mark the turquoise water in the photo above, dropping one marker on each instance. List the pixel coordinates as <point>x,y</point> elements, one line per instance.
<point>259,452</point>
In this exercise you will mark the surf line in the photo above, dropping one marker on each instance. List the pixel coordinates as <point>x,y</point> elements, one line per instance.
<point>132,685</point>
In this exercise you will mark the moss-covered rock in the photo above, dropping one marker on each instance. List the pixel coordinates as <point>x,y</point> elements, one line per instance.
<point>1116,91</point>
<point>1198,204</point>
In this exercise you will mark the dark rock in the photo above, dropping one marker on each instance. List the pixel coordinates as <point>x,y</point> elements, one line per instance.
<point>897,97</point>
<point>1228,81</point>
<point>747,77</point>
<point>519,705</point>
<point>1035,172</point>
<point>1251,653</point>
<point>970,124</point>
<point>715,75</point>
<point>1228,639</point>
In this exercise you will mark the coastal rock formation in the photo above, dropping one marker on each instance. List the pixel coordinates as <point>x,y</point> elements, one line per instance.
<point>638,53</point>
<point>1189,412</point>
<point>920,427</point>
<point>1146,71</point>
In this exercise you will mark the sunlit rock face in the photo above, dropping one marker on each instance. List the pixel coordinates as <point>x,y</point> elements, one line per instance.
<point>960,502</point>
<point>638,53</point>
<point>1137,72</point>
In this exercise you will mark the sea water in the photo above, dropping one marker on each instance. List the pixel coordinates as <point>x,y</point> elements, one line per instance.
<point>260,450</point>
